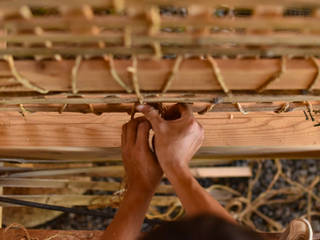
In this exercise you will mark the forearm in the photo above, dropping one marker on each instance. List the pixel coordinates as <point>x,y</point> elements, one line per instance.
<point>195,199</point>
<point>129,218</point>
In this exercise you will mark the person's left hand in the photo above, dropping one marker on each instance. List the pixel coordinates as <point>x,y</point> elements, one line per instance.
<point>142,168</point>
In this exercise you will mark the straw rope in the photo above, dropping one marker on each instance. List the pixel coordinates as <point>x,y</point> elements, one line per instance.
<point>74,74</point>
<point>218,76</point>
<point>115,75</point>
<point>173,74</point>
<point>20,79</point>
<point>135,82</point>
<point>274,77</point>
<point>317,76</point>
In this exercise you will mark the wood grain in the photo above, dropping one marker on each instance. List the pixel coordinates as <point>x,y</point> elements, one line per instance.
<point>89,130</point>
<point>194,75</point>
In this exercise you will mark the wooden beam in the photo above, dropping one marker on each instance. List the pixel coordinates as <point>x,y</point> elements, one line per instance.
<point>194,75</point>
<point>89,130</point>
<point>96,235</point>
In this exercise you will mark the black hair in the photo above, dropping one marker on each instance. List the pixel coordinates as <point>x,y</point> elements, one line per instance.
<point>201,227</point>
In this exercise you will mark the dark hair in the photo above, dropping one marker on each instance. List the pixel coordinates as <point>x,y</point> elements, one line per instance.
<point>202,227</point>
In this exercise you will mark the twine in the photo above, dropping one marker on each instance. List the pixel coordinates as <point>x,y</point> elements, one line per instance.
<point>173,74</point>
<point>74,74</point>
<point>134,73</point>
<point>274,77</point>
<point>19,78</point>
<point>317,76</point>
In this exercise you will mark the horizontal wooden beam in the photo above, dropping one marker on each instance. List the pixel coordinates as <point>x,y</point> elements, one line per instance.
<point>96,235</point>
<point>221,129</point>
<point>218,153</point>
<point>193,75</point>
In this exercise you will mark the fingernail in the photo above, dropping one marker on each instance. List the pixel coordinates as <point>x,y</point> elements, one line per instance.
<point>139,107</point>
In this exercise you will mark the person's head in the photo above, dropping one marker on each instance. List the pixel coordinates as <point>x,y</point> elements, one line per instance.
<point>203,227</point>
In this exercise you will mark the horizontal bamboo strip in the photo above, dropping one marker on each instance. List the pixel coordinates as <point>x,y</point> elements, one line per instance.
<point>141,24</point>
<point>96,235</point>
<point>221,153</point>
<point>85,200</point>
<point>166,50</point>
<point>221,129</point>
<point>181,39</point>
<point>172,98</point>
<point>194,75</point>
<point>118,171</point>
<point>104,108</point>
<point>143,4</point>
<point>218,194</point>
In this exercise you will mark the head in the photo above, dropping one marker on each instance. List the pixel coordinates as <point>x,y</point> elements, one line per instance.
<point>203,227</point>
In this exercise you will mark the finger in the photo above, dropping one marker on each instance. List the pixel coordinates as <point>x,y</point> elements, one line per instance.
<point>172,113</point>
<point>143,133</point>
<point>123,134</point>
<point>185,109</point>
<point>151,114</point>
<point>131,132</point>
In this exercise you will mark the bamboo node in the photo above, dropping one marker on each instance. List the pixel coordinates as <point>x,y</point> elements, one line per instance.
<point>173,73</point>
<point>19,78</point>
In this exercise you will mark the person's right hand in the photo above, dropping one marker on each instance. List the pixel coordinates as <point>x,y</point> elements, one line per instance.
<point>177,137</point>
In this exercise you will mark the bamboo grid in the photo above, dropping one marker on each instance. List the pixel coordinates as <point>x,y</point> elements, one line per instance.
<point>94,56</point>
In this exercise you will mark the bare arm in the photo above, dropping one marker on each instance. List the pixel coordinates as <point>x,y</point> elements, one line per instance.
<point>176,141</point>
<point>143,176</point>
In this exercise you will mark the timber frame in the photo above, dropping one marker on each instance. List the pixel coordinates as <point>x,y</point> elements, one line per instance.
<point>72,71</point>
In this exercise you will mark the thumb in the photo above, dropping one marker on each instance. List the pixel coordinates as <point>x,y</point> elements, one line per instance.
<point>151,114</point>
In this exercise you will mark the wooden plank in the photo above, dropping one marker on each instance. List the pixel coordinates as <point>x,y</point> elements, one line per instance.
<point>68,200</point>
<point>194,75</point>
<point>118,171</point>
<point>142,4</point>
<point>89,130</point>
<point>96,235</point>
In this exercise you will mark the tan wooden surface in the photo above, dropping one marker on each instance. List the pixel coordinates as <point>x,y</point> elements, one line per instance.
<point>89,130</point>
<point>95,235</point>
<point>194,75</point>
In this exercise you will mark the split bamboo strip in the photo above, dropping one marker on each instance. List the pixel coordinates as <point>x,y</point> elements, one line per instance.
<point>194,75</point>
<point>166,50</point>
<point>84,200</point>
<point>88,185</point>
<point>1,193</point>
<point>138,24</point>
<point>172,98</point>
<point>181,39</point>
<point>118,171</point>
<point>213,153</point>
<point>67,129</point>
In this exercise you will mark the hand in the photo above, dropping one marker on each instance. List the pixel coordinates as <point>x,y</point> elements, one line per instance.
<point>142,168</point>
<point>178,136</point>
